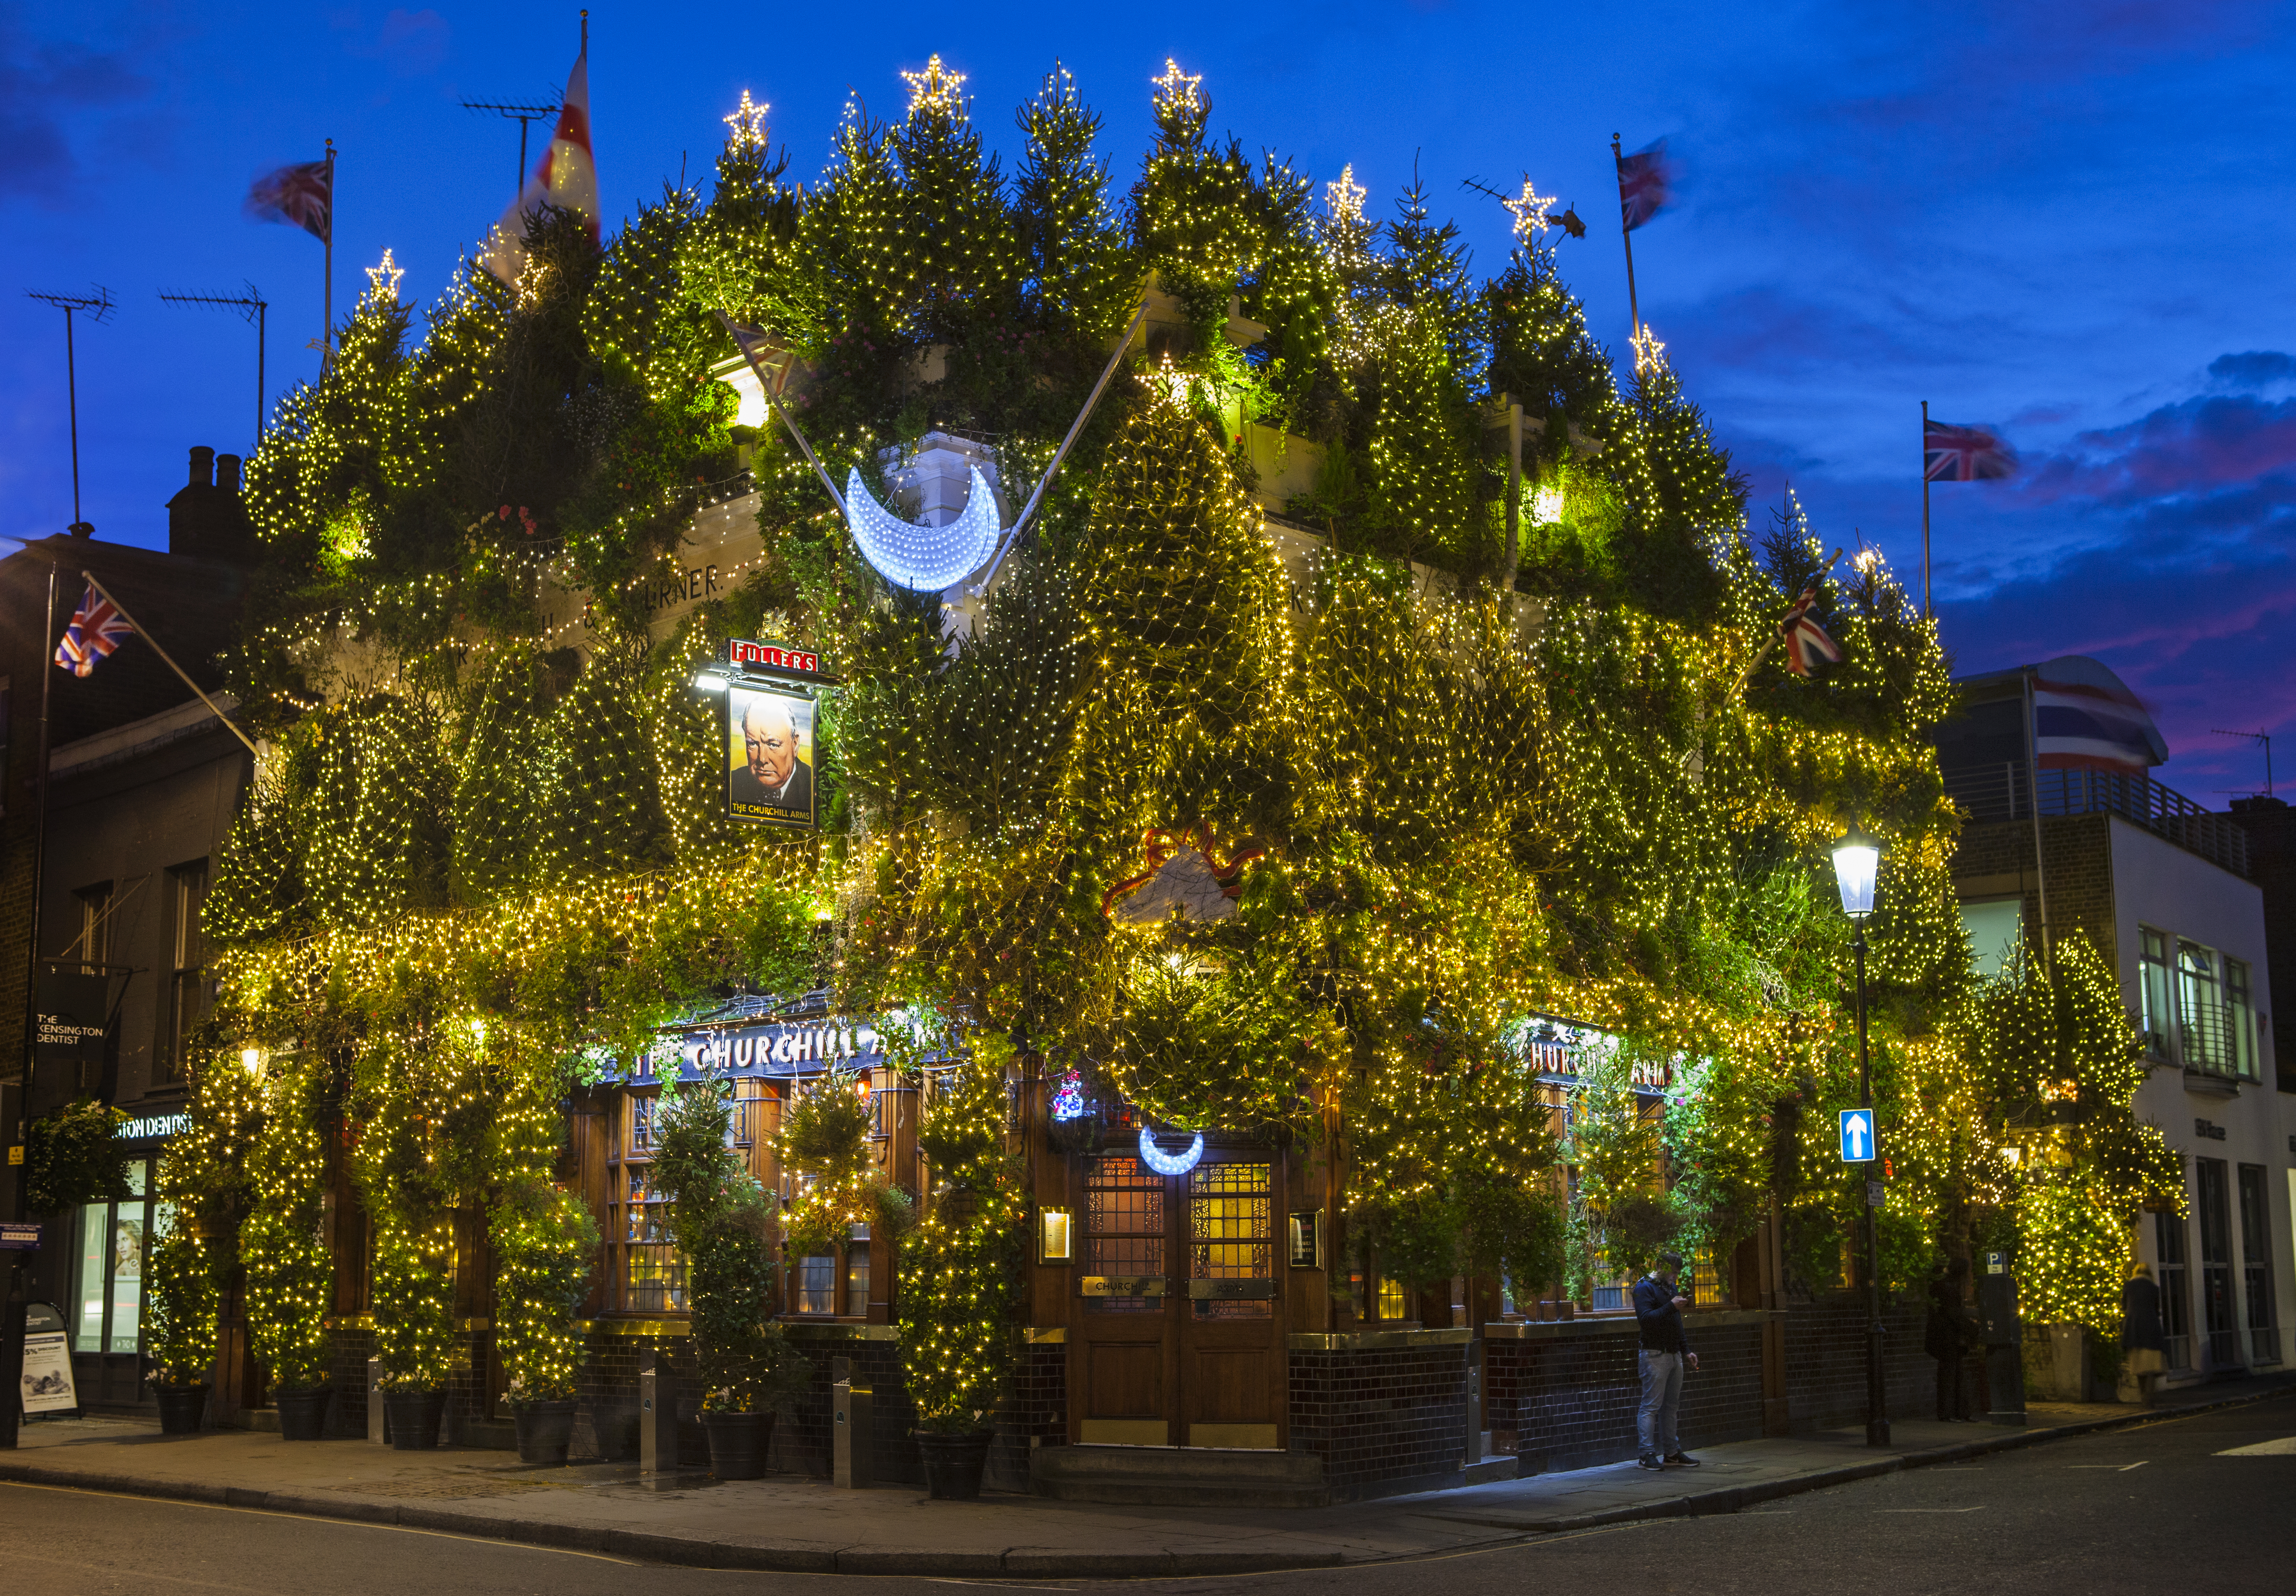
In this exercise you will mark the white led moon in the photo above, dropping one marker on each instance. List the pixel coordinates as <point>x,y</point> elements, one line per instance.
<point>1164,1163</point>
<point>925,559</point>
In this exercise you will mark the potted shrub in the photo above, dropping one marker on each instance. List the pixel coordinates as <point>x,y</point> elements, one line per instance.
<point>725,1223</point>
<point>960,1279</point>
<point>289,1271</point>
<point>179,1328</point>
<point>543,1242</point>
<point>413,1323</point>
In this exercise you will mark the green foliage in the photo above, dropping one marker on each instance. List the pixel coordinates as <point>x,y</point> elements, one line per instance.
<point>597,810</point>
<point>180,1307</point>
<point>960,1270</point>
<point>412,1292</point>
<point>71,1158</point>
<point>290,1273</point>
<point>544,1243</point>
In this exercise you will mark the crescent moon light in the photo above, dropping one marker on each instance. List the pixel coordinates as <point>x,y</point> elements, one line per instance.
<point>1164,1163</point>
<point>924,559</point>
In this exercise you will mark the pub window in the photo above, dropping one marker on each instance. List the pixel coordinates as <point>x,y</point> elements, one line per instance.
<point>2152,985</point>
<point>646,1270</point>
<point>188,989</point>
<point>856,1273</point>
<point>1394,1301</point>
<point>817,1284</point>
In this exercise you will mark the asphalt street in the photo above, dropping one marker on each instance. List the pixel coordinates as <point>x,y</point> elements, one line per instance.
<point>2159,1507</point>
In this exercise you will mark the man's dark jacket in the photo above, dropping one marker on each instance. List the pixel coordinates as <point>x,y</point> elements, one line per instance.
<point>1655,1314</point>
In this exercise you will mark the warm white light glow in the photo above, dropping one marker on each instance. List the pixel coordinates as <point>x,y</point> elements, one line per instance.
<point>252,1057</point>
<point>1857,858</point>
<point>1547,507</point>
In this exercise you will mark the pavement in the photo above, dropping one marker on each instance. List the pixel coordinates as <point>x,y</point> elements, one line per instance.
<point>795,1525</point>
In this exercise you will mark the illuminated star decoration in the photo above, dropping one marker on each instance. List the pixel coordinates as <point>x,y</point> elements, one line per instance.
<point>1345,197</point>
<point>1176,91</point>
<point>1647,349</point>
<point>1530,209</point>
<point>748,119</point>
<point>934,88</point>
<point>387,268</point>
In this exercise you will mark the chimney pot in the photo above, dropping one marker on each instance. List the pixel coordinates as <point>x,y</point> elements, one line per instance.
<point>202,466</point>
<point>227,472</point>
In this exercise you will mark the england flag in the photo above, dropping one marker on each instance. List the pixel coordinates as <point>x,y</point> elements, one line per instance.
<point>567,178</point>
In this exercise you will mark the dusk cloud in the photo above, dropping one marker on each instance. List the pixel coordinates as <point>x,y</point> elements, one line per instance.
<point>43,86</point>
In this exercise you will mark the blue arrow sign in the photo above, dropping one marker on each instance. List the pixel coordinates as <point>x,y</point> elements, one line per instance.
<point>1857,1135</point>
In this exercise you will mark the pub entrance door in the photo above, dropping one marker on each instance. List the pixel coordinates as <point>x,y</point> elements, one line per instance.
<point>1178,1336</point>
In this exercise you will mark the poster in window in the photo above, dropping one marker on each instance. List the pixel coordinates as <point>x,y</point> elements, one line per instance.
<point>771,755</point>
<point>47,1373</point>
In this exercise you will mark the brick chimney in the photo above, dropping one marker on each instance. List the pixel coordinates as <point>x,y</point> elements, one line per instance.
<point>207,519</point>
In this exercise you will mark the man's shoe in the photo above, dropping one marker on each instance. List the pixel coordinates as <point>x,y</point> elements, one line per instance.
<point>1649,1459</point>
<point>1681,1459</point>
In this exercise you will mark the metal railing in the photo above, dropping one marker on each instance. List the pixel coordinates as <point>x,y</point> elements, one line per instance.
<point>1989,792</point>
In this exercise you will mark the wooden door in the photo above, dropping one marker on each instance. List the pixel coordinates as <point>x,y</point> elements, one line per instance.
<point>1177,1327</point>
<point>1232,1375</point>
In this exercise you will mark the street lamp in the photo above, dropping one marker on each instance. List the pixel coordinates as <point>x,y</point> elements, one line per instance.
<point>1857,858</point>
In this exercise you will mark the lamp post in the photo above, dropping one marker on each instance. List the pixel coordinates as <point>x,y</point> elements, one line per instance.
<point>1856,857</point>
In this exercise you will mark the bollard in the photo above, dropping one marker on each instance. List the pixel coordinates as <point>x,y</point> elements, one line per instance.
<point>378,1428</point>
<point>1474,1402</point>
<point>852,1465</point>
<point>657,1413</point>
<point>2004,1335</point>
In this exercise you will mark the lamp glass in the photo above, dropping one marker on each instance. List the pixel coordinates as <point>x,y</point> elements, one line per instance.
<point>252,1057</point>
<point>1857,858</point>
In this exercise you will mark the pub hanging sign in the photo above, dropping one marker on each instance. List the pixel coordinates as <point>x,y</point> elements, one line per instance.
<point>772,733</point>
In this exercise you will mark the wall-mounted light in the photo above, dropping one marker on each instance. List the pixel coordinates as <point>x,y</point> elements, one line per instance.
<point>1053,1239</point>
<point>712,682</point>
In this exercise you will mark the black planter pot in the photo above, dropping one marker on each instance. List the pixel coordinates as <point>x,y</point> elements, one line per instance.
<point>303,1412</point>
<point>181,1407</point>
<point>738,1443</point>
<point>413,1418</point>
<point>545,1429</point>
<point>955,1462</point>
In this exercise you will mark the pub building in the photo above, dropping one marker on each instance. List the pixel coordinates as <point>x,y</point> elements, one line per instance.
<point>1194,1323</point>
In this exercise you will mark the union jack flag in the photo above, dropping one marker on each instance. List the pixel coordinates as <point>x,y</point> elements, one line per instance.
<point>1951,453</point>
<point>1806,643</point>
<point>97,627</point>
<point>303,194</point>
<point>1646,184</point>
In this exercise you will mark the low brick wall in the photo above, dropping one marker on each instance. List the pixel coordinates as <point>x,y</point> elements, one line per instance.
<point>1386,1411</point>
<point>1825,1361</point>
<point>1565,1396</point>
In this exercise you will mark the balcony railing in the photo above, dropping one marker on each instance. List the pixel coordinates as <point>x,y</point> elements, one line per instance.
<point>1999,792</point>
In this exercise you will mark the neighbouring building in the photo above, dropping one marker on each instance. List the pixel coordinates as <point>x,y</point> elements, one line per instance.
<point>2167,891</point>
<point>144,784</point>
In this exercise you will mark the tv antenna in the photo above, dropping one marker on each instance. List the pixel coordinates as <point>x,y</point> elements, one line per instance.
<point>2253,737</point>
<point>522,115</point>
<point>97,307</point>
<point>250,307</point>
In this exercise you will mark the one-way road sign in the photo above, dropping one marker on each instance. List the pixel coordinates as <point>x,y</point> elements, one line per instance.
<point>1857,1135</point>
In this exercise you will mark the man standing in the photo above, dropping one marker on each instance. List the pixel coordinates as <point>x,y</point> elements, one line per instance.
<point>1949,1335</point>
<point>1665,1354</point>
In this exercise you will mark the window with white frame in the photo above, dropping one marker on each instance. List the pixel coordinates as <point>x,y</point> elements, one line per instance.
<point>2215,1012</point>
<point>2154,990</point>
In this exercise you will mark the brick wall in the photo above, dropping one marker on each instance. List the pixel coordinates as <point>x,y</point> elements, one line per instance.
<point>1036,1412</point>
<point>1568,1402</point>
<point>2080,854</point>
<point>1826,1363</point>
<point>1384,1419</point>
<point>347,1414</point>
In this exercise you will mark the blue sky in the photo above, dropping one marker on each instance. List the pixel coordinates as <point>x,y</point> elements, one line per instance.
<point>2071,221</point>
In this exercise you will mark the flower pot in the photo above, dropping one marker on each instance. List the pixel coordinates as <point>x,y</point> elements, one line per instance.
<point>302,1411</point>
<point>955,1460</point>
<point>414,1414</point>
<point>737,1444</point>
<point>545,1429</point>
<point>182,1406</point>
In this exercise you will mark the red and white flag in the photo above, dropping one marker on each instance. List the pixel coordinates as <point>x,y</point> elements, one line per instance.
<point>567,178</point>
<point>1806,643</point>
<point>1951,453</point>
<point>97,627</point>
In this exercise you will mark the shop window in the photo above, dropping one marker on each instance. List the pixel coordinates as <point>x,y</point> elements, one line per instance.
<point>115,1245</point>
<point>2217,1312</point>
<point>2256,1267</point>
<point>2152,986</point>
<point>189,990</point>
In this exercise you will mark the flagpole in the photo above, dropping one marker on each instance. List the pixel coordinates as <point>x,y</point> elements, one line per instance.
<point>2040,870</point>
<point>171,664</point>
<point>1929,612</point>
<point>1627,236</point>
<point>327,334</point>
